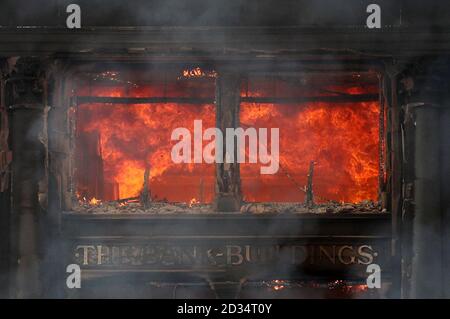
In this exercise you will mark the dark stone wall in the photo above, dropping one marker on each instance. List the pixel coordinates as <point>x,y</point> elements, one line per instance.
<point>425,209</point>
<point>5,199</point>
<point>433,13</point>
<point>445,193</point>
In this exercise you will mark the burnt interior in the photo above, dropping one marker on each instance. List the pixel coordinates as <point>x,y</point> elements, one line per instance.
<point>330,120</point>
<point>331,126</point>
<point>116,142</point>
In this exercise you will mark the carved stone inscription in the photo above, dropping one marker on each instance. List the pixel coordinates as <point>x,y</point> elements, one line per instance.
<point>179,256</point>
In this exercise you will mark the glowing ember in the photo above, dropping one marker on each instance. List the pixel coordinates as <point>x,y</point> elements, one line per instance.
<point>198,73</point>
<point>347,288</point>
<point>82,200</point>
<point>278,284</point>
<point>193,202</point>
<point>95,201</point>
<point>111,76</point>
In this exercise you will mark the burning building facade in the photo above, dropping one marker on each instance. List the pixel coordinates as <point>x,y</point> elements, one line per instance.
<point>362,176</point>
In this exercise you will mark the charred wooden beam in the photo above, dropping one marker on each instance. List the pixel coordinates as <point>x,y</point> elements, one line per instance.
<point>309,200</point>
<point>382,146</point>
<point>25,98</point>
<point>228,182</point>
<point>141,100</point>
<point>145,196</point>
<point>61,80</point>
<point>341,98</point>
<point>409,127</point>
<point>394,166</point>
<point>89,165</point>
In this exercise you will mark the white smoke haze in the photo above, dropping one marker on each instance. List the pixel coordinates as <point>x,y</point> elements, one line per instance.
<point>205,33</point>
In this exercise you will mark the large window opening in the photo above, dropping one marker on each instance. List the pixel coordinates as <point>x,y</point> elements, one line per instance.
<point>329,129</point>
<point>123,136</point>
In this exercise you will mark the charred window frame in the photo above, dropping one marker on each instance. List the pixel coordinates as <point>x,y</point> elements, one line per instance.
<point>364,78</point>
<point>243,76</point>
<point>180,72</point>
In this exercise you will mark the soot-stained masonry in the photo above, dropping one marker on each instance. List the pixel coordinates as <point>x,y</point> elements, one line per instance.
<point>86,175</point>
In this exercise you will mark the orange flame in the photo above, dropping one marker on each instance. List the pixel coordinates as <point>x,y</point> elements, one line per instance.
<point>342,138</point>
<point>198,73</point>
<point>95,201</point>
<point>193,202</point>
<point>134,136</point>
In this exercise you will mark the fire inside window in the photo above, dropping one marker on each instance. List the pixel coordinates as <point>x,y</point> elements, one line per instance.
<point>329,136</point>
<point>329,130</point>
<point>121,140</point>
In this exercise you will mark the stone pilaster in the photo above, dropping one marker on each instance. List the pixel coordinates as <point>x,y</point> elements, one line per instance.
<point>26,100</point>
